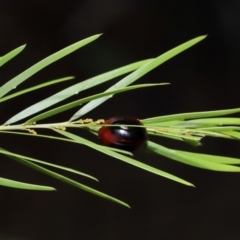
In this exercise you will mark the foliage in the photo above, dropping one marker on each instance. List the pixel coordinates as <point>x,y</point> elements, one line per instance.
<point>188,127</point>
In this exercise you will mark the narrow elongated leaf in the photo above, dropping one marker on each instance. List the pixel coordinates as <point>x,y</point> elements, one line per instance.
<point>161,124</point>
<point>16,184</point>
<point>211,158</point>
<point>137,74</point>
<point>74,89</point>
<point>63,178</point>
<point>183,116</point>
<point>49,164</point>
<point>191,159</point>
<point>4,59</point>
<point>233,134</point>
<point>221,129</point>
<point>62,139</point>
<point>123,158</point>
<point>84,100</point>
<point>208,122</point>
<point>13,83</point>
<point>202,133</point>
<point>35,88</point>
<point>175,136</point>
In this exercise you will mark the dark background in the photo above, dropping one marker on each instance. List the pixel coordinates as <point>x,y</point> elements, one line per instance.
<point>205,77</point>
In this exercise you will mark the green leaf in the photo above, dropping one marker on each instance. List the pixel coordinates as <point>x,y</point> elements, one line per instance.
<point>203,133</point>
<point>192,115</point>
<point>208,122</point>
<point>123,158</point>
<point>4,59</point>
<point>62,178</point>
<point>49,164</point>
<point>174,133</point>
<point>233,134</point>
<point>76,88</point>
<point>13,83</point>
<point>211,158</point>
<point>160,124</point>
<point>138,74</point>
<point>35,88</point>
<point>84,100</point>
<point>61,139</point>
<point>221,129</point>
<point>205,162</point>
<point>16,184</point>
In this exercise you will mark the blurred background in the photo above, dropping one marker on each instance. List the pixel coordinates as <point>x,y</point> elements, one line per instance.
<point>205,77</point>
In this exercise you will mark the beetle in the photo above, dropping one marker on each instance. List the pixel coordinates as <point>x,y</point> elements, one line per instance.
<point>127,138</point>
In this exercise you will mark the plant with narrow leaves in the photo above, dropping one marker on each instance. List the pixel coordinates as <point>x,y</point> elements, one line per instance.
<point>188,127</point>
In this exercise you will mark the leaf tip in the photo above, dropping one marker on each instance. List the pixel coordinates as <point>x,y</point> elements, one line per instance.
<point>203,36</point>
<point>128,206</point>
<point>99,35</point>
<point>200,38</point>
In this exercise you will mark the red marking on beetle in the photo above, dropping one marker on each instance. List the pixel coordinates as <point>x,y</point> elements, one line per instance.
<point>123,137</point>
